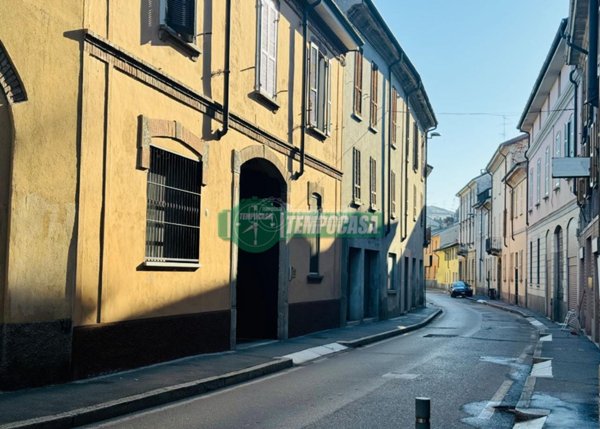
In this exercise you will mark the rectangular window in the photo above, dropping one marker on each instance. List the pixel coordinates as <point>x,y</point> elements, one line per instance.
<point>547,173</point>
<point>393,195</point>
<point>266,64</point>
<point>358,83</point>
<point>374,95</point>
<point>530,185</point>
<point>530,262</point>
<point>315,241</point>
<point>569,138</point>
<point>415,145</point>
<point>557,154</point>
<point>538,181</point>
<point>319,94</point>
<point>173,208</point>
<point>394,117</point>
<point>356,175</point>
<point>391,272</point>
<point>373,184</point>
<point>538,262</point>
<point>414,202</point>
<point>180,17</point>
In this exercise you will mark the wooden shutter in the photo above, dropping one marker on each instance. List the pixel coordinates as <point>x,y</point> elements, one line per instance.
<point>273,19</point>
<point>373,182</point>
<point>358,82</point>
<point>394,115</point>
<point>327,116</point>
<point>181,17</point>
<point>374,87</point>
<point>356,173</point>
<point>313,82</point>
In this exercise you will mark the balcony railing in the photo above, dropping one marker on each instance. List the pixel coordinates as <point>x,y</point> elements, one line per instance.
<point>493,245</point>
<point>463,250</point>
<point>483,196</point>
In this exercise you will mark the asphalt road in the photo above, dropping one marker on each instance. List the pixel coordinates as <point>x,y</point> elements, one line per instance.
<point>468,360</point>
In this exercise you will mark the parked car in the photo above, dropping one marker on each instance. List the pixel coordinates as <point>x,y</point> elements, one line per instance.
<point>460,288</point>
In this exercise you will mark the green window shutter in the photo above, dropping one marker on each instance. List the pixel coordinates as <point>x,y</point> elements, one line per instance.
<point>181,17</point>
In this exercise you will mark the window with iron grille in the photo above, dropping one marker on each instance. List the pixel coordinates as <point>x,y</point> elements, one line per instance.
<point>356,175</point>
<point>173,208</point>
<point>414,202</point>
<point>372,183</point>
<point>374,95</point>
<point>315,241</point>
<point>358,83</point>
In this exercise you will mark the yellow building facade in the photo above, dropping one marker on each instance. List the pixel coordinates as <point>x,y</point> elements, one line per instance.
<point>128,136</point>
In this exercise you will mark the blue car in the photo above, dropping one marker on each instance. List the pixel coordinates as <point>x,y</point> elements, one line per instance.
<point>460,288</point>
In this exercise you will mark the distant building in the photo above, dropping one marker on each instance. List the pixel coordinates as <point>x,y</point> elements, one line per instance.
<point>447,254</point>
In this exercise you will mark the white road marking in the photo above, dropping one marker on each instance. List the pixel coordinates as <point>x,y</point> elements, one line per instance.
<point>531,424</point>
<point>546,338</point>
<point>496,400</point>
<point>400,376</point>
<point>536,323</point>
<point>542,369</point>
<point>314,353</point>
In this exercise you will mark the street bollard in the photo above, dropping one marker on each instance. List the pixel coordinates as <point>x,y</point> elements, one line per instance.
<point>422,413</point>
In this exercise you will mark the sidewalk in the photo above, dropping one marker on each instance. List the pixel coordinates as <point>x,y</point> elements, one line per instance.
<point>91,400</point>
<point>562,389</point>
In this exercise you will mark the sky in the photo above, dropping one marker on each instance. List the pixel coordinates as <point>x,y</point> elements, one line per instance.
<point>478,60</point>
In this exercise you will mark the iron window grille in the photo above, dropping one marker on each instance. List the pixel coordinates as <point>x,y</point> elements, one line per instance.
<point>173,209</point>
<point>356,174</point>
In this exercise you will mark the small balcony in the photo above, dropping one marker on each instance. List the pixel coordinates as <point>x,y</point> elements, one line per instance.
<point>493,246</point>
<point>463,250</point>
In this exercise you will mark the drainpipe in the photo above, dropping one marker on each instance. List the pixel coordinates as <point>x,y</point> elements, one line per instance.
<point>575,96</point>
<point>504,211</point>
<point>392,64</point>
<point>406,162</point>
<point>300,171</point>
<point>425,179</point>
<point>592,63</point>
<point>227,72</point>
<point>527,209</point>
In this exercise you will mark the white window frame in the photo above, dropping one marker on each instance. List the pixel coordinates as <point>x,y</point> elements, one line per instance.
<point>266,48</point>
<point>557,145</point>
<point>538,181</point>
<point>319,90</point>
<point>547,173</point>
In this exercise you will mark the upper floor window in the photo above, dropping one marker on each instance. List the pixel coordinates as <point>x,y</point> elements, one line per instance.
<point>373,183</point>
<point>415,138</point>
<point>356,175</point>
<point>393,194</point>
<point>173,209</point>
<point>557,154</point>
<point>319,96</point>
<point>530,191</point>
<point>180,16</point>
<point>569,138</point>
<point>266,61</point>
<point>547,173</point>
<point>394,117</point>
<point>374,95</point>
<point>315,241</point>
<point>538,181</point>
<point>358,83</point>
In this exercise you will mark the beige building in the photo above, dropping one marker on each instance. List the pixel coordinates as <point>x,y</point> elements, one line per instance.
<point>126,134</point>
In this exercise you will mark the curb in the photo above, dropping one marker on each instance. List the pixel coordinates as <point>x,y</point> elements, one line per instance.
<point>501,307</point>
<point>153,398</point>
<point>359,342</point>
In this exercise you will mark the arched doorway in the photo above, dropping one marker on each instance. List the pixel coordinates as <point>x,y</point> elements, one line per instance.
<point>257,287</point>
<point>558,312</point>
<point>6,142</point>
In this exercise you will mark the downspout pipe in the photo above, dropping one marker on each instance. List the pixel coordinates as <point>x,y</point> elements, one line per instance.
<point>504,211</point>
<point>227,72</point>
<point>391,103</point>
<point>592,59</point>
<point>430,130</point>
<point>300,171</point>
<point>575,113</point>
<point>406,161</point>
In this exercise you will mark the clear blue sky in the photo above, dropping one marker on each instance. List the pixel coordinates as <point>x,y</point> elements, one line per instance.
<point>478,60</point>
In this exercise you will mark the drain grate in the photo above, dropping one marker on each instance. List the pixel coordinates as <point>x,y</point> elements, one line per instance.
<point>440,335</point>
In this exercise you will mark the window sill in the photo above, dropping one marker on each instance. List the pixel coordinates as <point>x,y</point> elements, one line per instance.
<point>356,117</point>
<point>392,292</point>
<point>372,208</point>
<point>393,216</point>
<point>317,133</point>
<point>546,197</point>
<point>356,202</point>
<point>169,266</point>
<point>393,146</point>
<point>373,129</point>
<point>264,99</point>
<point>165,33</point>
<point>314,278</point>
